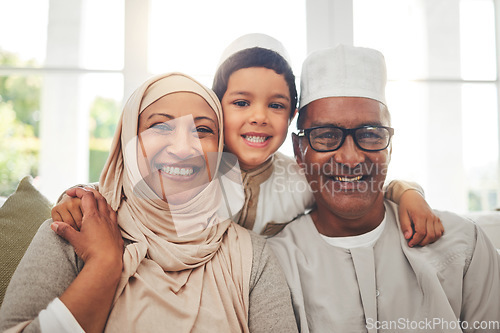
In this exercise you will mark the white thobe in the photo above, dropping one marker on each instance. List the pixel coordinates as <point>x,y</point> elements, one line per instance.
<point>389,287</point>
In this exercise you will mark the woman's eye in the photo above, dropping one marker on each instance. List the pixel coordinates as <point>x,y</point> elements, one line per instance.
<point>203,129</point>
<point>241,103</point>
<point>162,127</point>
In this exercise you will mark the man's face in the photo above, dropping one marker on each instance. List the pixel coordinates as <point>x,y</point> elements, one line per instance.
<point>348,182</point>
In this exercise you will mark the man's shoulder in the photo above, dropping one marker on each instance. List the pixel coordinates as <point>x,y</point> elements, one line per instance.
<point>459,232</point>
<point>294,233</point>
<point>452,222</point>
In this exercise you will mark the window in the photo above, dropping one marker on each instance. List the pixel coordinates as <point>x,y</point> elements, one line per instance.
<point>60,63</point>
<point>67,66</point>
<point>442,94</point>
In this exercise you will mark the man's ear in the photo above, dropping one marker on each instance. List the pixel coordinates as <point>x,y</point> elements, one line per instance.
<point>293,116</point>
<point>296,148</point>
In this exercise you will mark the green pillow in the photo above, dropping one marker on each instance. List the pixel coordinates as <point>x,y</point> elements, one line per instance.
<point>20,217</point>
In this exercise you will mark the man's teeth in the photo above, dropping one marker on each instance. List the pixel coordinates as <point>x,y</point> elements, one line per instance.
<point>347,179</point>
<point>256,139</point>
<point>176,171</point>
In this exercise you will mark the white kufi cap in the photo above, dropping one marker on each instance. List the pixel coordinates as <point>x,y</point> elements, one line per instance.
<point>343,71</point>
<point>254,40</point>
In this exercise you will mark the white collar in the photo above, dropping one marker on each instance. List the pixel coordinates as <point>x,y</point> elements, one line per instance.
<point>364,240</point>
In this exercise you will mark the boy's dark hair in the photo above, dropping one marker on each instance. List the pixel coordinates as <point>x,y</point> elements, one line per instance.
<point>255,57</point>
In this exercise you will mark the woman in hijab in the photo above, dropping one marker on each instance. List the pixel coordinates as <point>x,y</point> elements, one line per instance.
<point>184,268</point>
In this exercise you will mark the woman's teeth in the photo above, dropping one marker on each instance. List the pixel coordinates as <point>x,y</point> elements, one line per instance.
<point>176,171</point>
<point>256,139</point>
<point>347,179</point>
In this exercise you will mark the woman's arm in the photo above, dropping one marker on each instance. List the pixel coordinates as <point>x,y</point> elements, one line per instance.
<point>419,224</point>
<point>99,244</point>
<point>50,269</point>
<point>46,270</point>
<point>270,300</point>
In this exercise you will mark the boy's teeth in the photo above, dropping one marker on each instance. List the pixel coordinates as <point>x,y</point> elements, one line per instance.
<point>176,171</point>
<point>348,179</point>
<point>252,138</point>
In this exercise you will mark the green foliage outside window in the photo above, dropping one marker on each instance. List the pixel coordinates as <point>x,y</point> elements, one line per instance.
<point>104,114</point>
<point>19,126</point>
<point>19,131</point>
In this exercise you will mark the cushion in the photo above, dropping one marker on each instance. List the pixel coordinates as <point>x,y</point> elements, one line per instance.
<point>20,217</point>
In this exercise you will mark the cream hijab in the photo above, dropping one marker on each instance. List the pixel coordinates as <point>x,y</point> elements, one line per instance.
<point>172,283</point>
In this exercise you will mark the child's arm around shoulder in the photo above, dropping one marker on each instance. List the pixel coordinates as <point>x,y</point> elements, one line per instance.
<point>419,224</point>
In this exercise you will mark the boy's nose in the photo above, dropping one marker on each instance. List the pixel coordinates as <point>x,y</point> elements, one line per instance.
<point>258,115</point>
<point>349,154</point>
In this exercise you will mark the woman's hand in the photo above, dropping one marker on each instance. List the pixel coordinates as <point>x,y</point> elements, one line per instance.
<point>97,235</point>
<point>418,222</point>
<point>100,245</point>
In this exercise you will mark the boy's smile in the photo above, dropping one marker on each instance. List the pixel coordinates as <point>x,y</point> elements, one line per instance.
<point>256,109</point>
<point>257,140</point>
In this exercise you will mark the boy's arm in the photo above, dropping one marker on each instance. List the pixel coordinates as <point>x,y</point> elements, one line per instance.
<point>68,207</point>
<point>419,224</point>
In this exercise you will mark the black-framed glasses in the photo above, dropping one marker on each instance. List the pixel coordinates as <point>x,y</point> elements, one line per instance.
<point>331,138</point>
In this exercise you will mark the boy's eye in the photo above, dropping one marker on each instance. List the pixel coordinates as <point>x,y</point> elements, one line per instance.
<point>241,103</point>
<point>276,106</point>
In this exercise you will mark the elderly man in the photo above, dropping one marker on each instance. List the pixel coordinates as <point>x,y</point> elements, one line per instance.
<point>346,262</point>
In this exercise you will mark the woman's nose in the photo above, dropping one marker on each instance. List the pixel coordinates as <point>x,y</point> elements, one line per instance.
<point>183,144</point>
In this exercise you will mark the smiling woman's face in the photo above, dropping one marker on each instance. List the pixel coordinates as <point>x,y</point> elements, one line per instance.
<point>175,134</point>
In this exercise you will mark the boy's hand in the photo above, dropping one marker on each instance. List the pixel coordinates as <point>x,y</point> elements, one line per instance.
<point>419,224</point>
<point>69,209</point>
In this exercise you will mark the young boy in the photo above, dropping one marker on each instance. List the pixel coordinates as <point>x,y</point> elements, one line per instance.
<point>256,86</point>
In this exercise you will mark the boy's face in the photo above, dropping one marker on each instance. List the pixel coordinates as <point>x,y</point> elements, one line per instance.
<point>256,109</point>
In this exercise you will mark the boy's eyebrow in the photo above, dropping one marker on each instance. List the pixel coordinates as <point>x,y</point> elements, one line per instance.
<point>245,93</point>
<point>282,96</point>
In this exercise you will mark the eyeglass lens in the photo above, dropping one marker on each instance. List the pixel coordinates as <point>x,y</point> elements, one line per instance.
<point>330,138</point>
